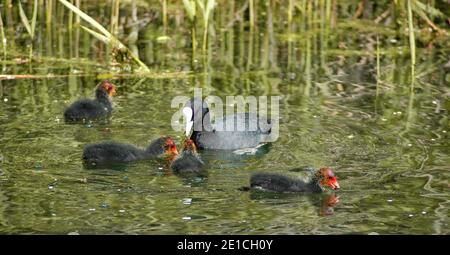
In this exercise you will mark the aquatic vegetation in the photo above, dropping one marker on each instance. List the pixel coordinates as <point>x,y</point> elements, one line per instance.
<point>2,37</point>
<point>309,28</point>
<point>190,8</point>
<point>363,87</point>
<point>29,27</point>
<point>104,35</point>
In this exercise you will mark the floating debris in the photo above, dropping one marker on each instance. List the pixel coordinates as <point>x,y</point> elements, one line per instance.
<point>390,200</point>
<point>122,211</point>
<point>5,99</point>
<point>92,209</point>
<point>187,201</point>
<point>75,233</point>
<point>292,75</point>
<point>424,212</point>
<point>163,39</point>
<point>410,215</point>
<point>187,218</point>
<point>104,205</point>
<point>50,187</point>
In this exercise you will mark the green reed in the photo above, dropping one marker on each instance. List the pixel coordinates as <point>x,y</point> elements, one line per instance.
<point>412,43</point>
<point>115,7</point>
<point>250,30</point>
<point>206,7</point>
<point>30,27</point>
<point>164,15</point>
<point>191,10</point>
<point>104,35</point>
<point>2,36</point>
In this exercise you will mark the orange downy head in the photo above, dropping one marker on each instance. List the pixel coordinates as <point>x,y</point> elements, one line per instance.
<point>327,178</point>
<point>108,87</point>
<point>170,149</point>
<point>189,145</point>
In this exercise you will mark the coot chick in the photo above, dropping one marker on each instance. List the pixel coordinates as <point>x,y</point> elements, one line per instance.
<point>216,136</point>
<point>109,153</point>
<point>322,178</point>
<point>89,109</point>
<point>188,161</point>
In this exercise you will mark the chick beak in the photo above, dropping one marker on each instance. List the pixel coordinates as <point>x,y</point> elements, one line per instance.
<point>112,90</point>
<point>335,186</point>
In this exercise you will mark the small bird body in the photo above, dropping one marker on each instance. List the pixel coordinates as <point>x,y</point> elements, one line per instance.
<point>110,152</point>
<point>316,183</point>
<point>188,161</point>
<point>89,109</point>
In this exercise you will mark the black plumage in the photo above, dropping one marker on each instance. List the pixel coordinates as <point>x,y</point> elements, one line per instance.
<point>283,183</point>
<point>315,183</point>
<point>90,109</point>
<point>188,161</point>
<point>107,153</point>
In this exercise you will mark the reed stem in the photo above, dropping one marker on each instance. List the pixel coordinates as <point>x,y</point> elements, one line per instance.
<point>164,11</point>
<point>2,36</point>
<point>412,43</point>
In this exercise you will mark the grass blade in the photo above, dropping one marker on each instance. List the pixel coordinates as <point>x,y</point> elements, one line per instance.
<point>33,19</point>
<point>104,34</point>
<point>86,18</point>
<point>201,5</point>
<point>2,36</point>
<point>97,35</point>
<point>24,19</point>
<point>428,9</point>
<point>190,8</point>
<point>209,7</point>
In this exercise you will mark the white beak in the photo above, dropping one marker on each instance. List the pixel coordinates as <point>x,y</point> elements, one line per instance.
<point>188,113</point>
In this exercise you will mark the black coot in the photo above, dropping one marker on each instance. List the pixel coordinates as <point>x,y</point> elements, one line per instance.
<point>188,161</point>
<point>207,136</point>
<point>109,153</point>
<point>90,109</point>
<point>322,178</point>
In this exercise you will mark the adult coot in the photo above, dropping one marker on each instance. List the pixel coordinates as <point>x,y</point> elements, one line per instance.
<point>89,109</point>
<point>188,161</point>
<point>247,131</point>
<point>316,183</point>
<point>107,153</point>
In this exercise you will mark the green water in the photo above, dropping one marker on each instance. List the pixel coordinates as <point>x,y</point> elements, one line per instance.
<point>389,146</point>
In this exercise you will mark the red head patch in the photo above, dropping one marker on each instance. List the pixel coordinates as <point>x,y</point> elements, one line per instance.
<point>327,178</point>
<point>170,148</point>
<point>189,145</point>
<point>108,87</point>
